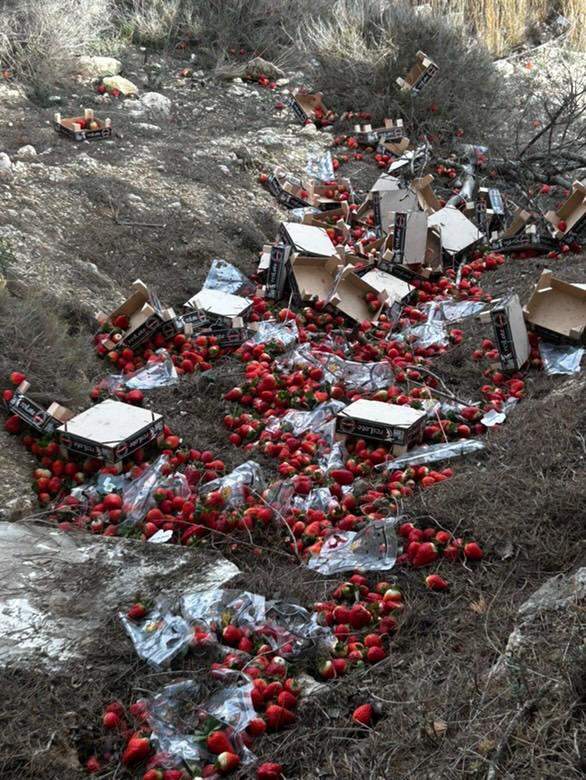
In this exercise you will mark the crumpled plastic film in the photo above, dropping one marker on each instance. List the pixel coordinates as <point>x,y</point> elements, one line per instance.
<point>299,421</point>
<point>321,168</point>
<point>211,607</point>
<point>435,453</point>
<point>226,277</point>
<point>159,638</point>
<point>561,358</point>
<point>373,548</point>
<point>236,485</point>
<point>157,373</point>
<point>297,215</point>
<point>271,331</point>
<point>138,494</point>
<point>367,377</point>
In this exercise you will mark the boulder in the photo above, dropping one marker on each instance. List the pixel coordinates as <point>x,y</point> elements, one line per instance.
<point>125,86</point>
<point>97,67</point>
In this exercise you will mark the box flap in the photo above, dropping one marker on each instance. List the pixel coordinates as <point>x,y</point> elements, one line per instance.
<point>558,307</point>
<point>308,239</point>
<point>219,303</point>
<point>379,412</point>
<point>457,232</point>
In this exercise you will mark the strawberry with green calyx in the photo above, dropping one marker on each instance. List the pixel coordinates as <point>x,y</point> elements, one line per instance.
<point>227,762</point>
<point>137,749</point>
<point>435,582</point>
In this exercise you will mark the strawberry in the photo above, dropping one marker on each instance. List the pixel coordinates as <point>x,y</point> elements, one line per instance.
<point>473,551</point>
<point>256,727</point>
<point>426,553</point>
<point>375,654</point>
<point>342,476</point>
<point>360,616</point>
<point>227,762</point>
<point>277,717</point>
<point>138,747</point>
<point>174,774</point>
<point>435,582</point>
<point>327,670</point>
<point>111,720</point>
<point>363,715</point>
<point>7,395</point>
<point>12,424</point>
<point>269,771</point>
<point>93,764</point>
<point>153,774</point>
<point>219,742</point>
<point>136,611</point>
<point>16,377</point>
<point>231,635</point>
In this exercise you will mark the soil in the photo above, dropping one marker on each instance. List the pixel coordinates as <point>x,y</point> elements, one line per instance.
<point>80,240</point>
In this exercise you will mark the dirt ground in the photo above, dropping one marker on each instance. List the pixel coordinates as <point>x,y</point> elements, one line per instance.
<point>458,702</point>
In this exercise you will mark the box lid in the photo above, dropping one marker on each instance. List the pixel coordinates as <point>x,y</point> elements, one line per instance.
<point>397,289</point>
<point>380,412</point>
<point>109,422</point>
<point>219,303</point>
<point>557,306</point>
<point>309,239</point>
<point>457,231</point>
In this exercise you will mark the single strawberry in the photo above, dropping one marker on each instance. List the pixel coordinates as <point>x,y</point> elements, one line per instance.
<point>12,424</point>
<point>375,654</point>
<point>256,727</point>
<point>231,635</point>
<point>435,582</point>
<point>269,771</point>
<point>426,553</point>
<point>227,762</point>
<point>219,742</point>
<point>277,717</point>
<point>473,551</point>
<point>110,720</point>
<point>360,617</point>
<point>16,377</point>
<point>364,715</point>
<point>138,747</point>
<point>93,764</point>
<point>136,611</point>
<point>153,774</point>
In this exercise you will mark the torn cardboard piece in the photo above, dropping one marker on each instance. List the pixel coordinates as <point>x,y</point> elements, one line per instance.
<point>307,239</point>
<point>312,277</point>
<point>420,74</point>
<point>518,223</point>
<point>458,234</point>
<point>287,189</point>
<point>556,310</point>
<point>399,426</point>
<point>310,108</point>
<point>44,420</point>
<point>356,298</point>
<point>397,290</point>
<point>571,215</point>
<point>83,128</point>
<point>426,197</point>
<point>510,332</point>
<point>225,308</point>
<point>387,202</point>
<point>110,430</point>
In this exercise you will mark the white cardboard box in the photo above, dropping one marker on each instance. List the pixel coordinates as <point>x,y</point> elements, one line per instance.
<point>307,239</point>
<point>457,231</point>
<point>398,426</point>
<point>222,305</point>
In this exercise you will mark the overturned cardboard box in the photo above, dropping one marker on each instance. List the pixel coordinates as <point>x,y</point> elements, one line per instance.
<point>276,277</point>
<point>222,308</point>
<point>530,239</point>
<point>387,202</point>
<point>138,319</point>
<point>419,75</point>
<point>556,310</point>
<point>571,215</point>
<point>401,427</point>
<point>392,131</point>
<point>413,245</point>
<point>287,189</point>
<point>110,430</point>
<point>459,234</point>
<point>398,291</point>
<point>44,420</point>
<point>355,297</point>
<point>83,128</point>
<point>510,332</point>
<point>307,239</point>
<point>309,107</point>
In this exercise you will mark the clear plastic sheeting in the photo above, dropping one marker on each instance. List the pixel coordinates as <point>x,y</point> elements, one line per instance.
<point>435,453</point>
<point>455,311</point>
<point>290,624</point>
<point>429,333</point>
<point>367,377</point>
<point>158,372</point>
<point>297,215</point>
<point>374,548</point>
<point>334,459</point>
<point>226,277</point>
<point>242,608</point>
<point>138,494</point>
<point>159,638</point>
<point>320,499</point>
<point>236,485</point>
<point>298,422</point>
<point>321,168</point>
<point>563,359</point>
<point>273,332</point>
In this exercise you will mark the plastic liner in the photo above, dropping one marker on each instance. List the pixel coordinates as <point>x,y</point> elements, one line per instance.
<point>319,499</point>
<point>298,421</point>
<point>226,277</point>
<point>281,495</point>
<point>435,453</point>
<point>455,311</point>
<point>290,624</point>
<point>236,486</point>
<point>223,606</point>
<point>159,638</point>
<point>561,358</point>
<point>297,215</point>
<point>321,168</point>
<point>272,332</point>
<point>366,377</point>
<point>374,548</point>
<point>138,495</point>
<point>159,372</point>
<point>334,459</point>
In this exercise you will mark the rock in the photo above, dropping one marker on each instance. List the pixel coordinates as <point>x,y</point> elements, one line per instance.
<point>225,170</point>
<point>258,67</point>
<point>156,103</point>
<point>555,594</point>
<point>506,69</point>
<point>54,100</point>
<point>97,67</point>
<point>125,86</point>
<point>148,128</point>
<point>5,166</point>
<point>26,152</point>
<point>308,129</point>
<point>132,198</point>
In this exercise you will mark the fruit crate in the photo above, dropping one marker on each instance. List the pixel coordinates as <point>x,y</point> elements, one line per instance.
<point>419,76</point>
<point>83,128</point>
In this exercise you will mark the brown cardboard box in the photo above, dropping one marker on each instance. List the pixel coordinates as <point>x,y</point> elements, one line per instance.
<point>426,197</point>
<point>518,223</point>
<point>572,212</point>
<point>414,244</point>
<point>220,306</point>
<point>510,332</point>
<point>307,239</point>
<point>420,74</point>
<point>458,233</point>
<point>78,128</point>
<point>398,426</point>
<point>349,296</point>
<point>310,107</point>
<point>312,277</point>
<point>387,202</point>
<point>43,420</point>
<point>557,310</point>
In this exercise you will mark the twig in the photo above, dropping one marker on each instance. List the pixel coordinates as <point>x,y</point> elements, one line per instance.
<point>138,224</point>
<point>493,768</point>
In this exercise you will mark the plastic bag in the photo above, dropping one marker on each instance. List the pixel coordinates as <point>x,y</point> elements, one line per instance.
<point>436,452</point>
<point>297,215</point>
<point>226,277</point>
<point>374,548</point>
<point>236,485</point>
<point>321,168</point>
<point>299,422</point>
<point>319,498</point>
<point>367,377</point>
<point>159,638</point>
<point>454,311</point>
<point>138,494</point>
<point>493,417</point>
<point>561,358</point>
<point>334,459</point>
<point>271,331</point>
<point>211,607</point>
<point>290,624</point>
<point>157,373</point>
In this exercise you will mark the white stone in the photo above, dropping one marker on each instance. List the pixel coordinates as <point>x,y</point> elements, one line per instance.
<point>98,67</point>
<point>125,86</point>
<point>156,103</point>
<point>26,152</point>
<point>5,165</point>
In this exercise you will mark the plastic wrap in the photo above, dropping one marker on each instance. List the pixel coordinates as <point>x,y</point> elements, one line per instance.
<point>157,373</point>
<point>321,168</point>
<point>272,332</point>
<point>298,422</point>
<point>297,215</point>
<point>561,358</point>
<point>493,417</point>
<point>435,453</point>
<point>236,485</point>
<point>374,548</point>
<point>367,377</point>
<point>159,638</point>
<point>138,494</point>
<point>226,277</point>
<point>222,606</point>
<point>334,459</point>
<point>319,498</point>
<point>455,311</point>
<point>291,624</point>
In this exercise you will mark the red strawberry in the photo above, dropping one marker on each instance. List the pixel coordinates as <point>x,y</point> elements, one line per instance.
<point>375,654</point>
<point>256,727</point>
<point>138,747</point>
<point>363,714</point>
<point>360,616</point>
<point>93,764</point>
<point>7,395</point>
<point>12,424</point>
<point>435,582</point>
<point>278,717</point>
<point>219,742</point>
<point>227,762</point>
<point>16,377</point>
<point>426,553</point>
<point>269,771</point>
<point>153,774</point>
<point>342,476</point>
<point>231,635</point>
<point>327,670</point>
<point>137,611</point>
<point>473,551</point>
<point>110,720</point>
<point>287,699</point>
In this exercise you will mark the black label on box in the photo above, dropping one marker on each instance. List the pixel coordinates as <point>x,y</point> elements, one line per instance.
<point>297,110</point>
<point>83,135</point>
<point>504,339</point>
<point>578,228</point>
<point>524,241</point>
<point>369,430</point>
<point>481,218</point>
<point>391,134</point>
<point>376,198</point>
<point>144,437</point>
<point>284,197</point>
<point>142,333</point>
<point>424,79</point>
<point>196,318</point>
<point>277,272</point>
<point>230,337</point>
<point>32,414</point>
<point>293,286</point>
<point>399,236</point>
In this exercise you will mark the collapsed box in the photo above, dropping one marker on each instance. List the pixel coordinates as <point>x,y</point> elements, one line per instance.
<point>510,332</point>
<point>529,239</point>
<point>310,107</point>
<point>307,239</point>
<point>518,223</point>
<point>287,189</point>
<point>312,277</point>
<point>83,128</point>
<point>426,197</point>
<point>388,201</point>
<point>458,233</point>
<point>420,74</point>
<point>392,132</point>
<point>145,317</point>
<point>223,307</point>
<point>110,430</point>
<point>350,296</point>
<point>399,426</point>
<point>572,212</point>
<point>397,290</point>
<point>33,414</point>
<point>277,271</point>
<point>556,310</point>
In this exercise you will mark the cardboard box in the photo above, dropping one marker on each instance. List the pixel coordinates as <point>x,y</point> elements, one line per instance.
<point>146,317</point>
<point>33,414</point>
<point>399,426</point>
<point>391,132</point>
<point>572,212</point>
<point>349,296</point>
<point>220,306</point>
<point>398,291</point>
<point>277,272</point>
<point>518,223</point>
<point>110,430</point>
<point>530,239</point>
<point>312,277</point>
<point>310,107</point>
<point>387,202</point>
<point>307,239</point>
<point>510,332</point>
<point>414,245</point>
<point>556,310</point>
<point>287,189</point>
<point>420,74</point>
<point>426,197</point>
<point>459,235</point>
<point>83,128</point>
<point>265,259</point>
